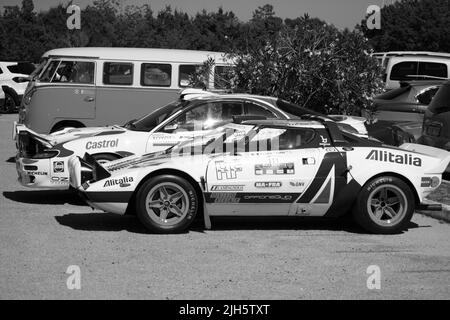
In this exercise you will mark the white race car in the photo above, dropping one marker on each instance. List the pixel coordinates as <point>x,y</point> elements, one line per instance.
<point>267,168</point>
<point>42,160</point>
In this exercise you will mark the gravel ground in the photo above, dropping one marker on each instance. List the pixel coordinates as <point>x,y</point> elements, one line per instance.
<point>44,232</point>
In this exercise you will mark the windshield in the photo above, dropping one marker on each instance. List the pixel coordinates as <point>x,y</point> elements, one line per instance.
<point>151,120</point>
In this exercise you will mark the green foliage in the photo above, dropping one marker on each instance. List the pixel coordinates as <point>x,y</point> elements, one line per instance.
<point>302,60</point>
<point>417,25</point>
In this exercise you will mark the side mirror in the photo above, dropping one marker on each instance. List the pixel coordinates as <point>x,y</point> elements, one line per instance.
<point>171,127</point>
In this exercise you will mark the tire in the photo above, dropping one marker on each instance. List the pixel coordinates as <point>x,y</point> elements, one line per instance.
<point>103,158</point>
<point>385,205</point>
<point>9,104</point>
<point>162,217</point>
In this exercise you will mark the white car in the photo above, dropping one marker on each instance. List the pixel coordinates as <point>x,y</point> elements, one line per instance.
<point>267,168</point>
<point>14,78</point>
<point>42,160</point>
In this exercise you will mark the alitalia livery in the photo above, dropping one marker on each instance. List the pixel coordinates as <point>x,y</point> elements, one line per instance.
<point>42,159</point>
<point>267,168</point>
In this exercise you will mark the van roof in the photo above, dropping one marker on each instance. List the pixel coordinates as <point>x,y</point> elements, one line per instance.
<point>153,54</point>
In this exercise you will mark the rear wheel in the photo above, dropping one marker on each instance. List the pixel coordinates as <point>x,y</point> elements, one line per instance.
<point>166,204</point>
<point>385,205</point>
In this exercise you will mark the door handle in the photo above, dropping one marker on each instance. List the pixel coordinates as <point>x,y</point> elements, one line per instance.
<point>89,99</point>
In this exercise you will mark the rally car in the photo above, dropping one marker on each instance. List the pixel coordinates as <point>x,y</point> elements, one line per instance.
<point>267,168</point>
<point>42,160</point>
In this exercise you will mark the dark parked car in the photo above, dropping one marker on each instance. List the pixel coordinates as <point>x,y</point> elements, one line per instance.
<point>407,103</point>
<point>436,122</point>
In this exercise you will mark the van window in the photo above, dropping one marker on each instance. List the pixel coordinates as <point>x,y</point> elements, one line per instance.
<point>118,73</point>
<point>185,72</point>
<point>156,74</point>
<point>404,70</point>
<point>433,69</point>
<point>222,76</point>
<point>47,75</point>
<point>75,72</point>
<point>207,116</point>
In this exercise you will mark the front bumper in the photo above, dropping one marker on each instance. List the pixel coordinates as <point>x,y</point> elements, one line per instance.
<point>37,173</point>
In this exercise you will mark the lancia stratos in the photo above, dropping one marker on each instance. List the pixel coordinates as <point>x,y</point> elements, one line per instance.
<point>267,168</point>
<point>42,160</point>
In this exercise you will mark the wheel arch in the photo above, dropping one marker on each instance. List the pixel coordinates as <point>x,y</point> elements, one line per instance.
<point>131,204</point>
<point>401,177</point>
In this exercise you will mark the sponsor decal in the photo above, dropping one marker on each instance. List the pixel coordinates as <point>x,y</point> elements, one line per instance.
<point>60,180</point>
<point>272,197</point>
<point>297,183</point>
<point>308,161</point>
<point>122,182</point>
<point>274,169</point>
<point>102,144</point>
<point>232,197</point>
<point>324,141</point>
<point>224,198</point>
<point>268,184</point>
<point>228,188</point>
<point>58,166</point>
<point>36,173</point>
<point>227,170</point>
<point>385,156</point>
<point>425,182</point>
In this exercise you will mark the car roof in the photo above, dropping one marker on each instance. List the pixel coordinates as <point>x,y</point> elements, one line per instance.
<point>297,123</point>
<point>145,54</point>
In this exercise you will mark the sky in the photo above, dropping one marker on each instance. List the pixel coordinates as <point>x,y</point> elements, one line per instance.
<point>341,13</point>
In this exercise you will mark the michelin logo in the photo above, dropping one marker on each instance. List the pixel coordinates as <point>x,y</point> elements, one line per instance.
<point>385,156</point>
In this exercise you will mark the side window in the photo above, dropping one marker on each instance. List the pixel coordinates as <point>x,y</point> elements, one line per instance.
<point>406,70</point>
<point>118,73</point>
<point>1,71</point>
<point>75,72</point>
<point>206,116</point>
<point>433,69</point>
<point>185,73</point>
<point>252,109</point>
<point>156,74</point>
<point>272,139</point>
<point>426,96</point>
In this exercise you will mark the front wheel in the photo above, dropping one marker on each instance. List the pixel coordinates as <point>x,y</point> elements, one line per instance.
<point>385,205</point>
<point>166,204</point>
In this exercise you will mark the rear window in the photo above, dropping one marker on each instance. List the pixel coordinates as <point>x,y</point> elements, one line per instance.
<point>414,70</point>
<point>404,70</point>
<point>441,101</point>
<point>118,73</point>
<point>22,68</point>
<point>156,74</point>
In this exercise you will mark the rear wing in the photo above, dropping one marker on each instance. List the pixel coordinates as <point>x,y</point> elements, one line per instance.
<point>20,129</point>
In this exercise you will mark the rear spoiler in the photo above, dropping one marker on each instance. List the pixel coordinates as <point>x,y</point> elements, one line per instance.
<point>20,129</point>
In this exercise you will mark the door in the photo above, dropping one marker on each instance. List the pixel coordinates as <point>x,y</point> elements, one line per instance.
<point>275,169</point>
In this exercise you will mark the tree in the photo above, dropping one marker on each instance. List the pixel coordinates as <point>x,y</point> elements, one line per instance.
<point>421,25</point>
